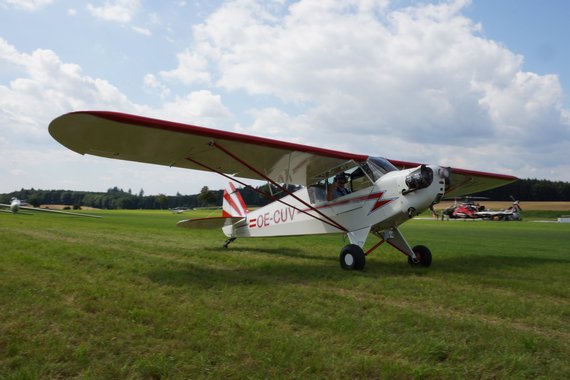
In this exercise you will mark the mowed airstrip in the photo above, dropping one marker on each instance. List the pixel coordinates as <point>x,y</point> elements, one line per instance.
<point>133,296</point>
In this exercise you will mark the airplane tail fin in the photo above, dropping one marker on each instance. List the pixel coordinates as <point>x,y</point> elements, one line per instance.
<point>233,210</point>
<point>233,205</point>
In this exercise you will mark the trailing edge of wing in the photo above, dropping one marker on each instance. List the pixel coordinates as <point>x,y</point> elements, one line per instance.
<point>45,210</point>
<point>208,223</point>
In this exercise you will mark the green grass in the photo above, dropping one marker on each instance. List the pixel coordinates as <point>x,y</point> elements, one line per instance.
<point>131,296</point>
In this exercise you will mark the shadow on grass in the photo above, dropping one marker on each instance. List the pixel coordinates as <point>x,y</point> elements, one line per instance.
<point>252,272</point>
<point>484,263</point>
<point>208,277</point>
<point>286,252</point>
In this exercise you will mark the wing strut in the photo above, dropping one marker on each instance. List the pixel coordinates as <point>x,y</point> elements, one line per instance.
<point>327,220</point>
<point>334,223</point>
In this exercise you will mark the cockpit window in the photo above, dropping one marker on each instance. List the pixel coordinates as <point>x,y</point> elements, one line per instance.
<point>358,176</point>
<point>380,166</point>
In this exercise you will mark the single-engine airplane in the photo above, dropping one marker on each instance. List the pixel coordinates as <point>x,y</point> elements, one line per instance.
<point>377,197</point>
<point>16,205</point>
<point>178,210</point>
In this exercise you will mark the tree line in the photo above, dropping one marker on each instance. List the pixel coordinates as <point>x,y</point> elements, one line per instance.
<point>116,198</point>
<point>530,190</point>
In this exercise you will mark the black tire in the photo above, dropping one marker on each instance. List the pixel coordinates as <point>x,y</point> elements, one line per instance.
<point>352,257</point>
<point>423,257</point>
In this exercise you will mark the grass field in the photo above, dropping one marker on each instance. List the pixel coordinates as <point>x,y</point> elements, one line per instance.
<point>131,296</point>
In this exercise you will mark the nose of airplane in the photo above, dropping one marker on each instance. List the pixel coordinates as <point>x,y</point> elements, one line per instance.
<point>444,172</point>
<point>419,178</point>
<point>443,175</point>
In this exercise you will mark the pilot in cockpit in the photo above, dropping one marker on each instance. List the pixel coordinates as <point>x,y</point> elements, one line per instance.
<point>338,189</point>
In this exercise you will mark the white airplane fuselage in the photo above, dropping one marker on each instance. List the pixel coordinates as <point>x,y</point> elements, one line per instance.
<point>386,204</point>
<point>15,205</point>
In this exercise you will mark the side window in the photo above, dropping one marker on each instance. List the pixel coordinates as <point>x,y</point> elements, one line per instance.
<point>358,176</point>
<point>358,180</point>
<point>318,192</point>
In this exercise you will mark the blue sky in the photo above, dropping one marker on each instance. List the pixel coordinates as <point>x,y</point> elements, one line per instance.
<point>480,85</point>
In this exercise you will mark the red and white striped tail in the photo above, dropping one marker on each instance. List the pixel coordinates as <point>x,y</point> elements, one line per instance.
<point>233,205</point>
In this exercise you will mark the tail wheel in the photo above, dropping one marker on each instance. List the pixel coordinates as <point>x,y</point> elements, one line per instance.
<point>352,257</point>
<point>423,257</point>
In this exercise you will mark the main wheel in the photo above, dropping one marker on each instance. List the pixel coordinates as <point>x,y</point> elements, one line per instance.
<point>423,257</point>
<point>352,257</point>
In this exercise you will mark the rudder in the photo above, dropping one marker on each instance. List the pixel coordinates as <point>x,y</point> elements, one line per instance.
<point>233,204</point>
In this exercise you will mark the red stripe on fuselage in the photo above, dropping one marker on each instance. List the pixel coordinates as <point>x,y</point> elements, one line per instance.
<point>368,197</point>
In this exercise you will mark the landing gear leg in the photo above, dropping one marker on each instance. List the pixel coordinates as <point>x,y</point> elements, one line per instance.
<point>418,256</point>
<point>352,257</point>
<point>228,241</point>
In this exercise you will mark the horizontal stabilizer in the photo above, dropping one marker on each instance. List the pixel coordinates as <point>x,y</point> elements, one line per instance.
<point>208,223</point>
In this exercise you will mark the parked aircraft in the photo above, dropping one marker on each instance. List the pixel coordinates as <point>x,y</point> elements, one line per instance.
<point>16,205</point>
<point>380,195</point>
<point>512,213</point>
<point>470,209</point>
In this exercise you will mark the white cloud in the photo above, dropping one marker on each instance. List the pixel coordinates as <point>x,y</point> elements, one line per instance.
<point>27,5</point>
<point>416,76</point>
<point>199,107</point>
<point>155,86</point>
<point>121,11</point>
<point>192,68</point>
<point>46,87</point>
<point>143,31</point>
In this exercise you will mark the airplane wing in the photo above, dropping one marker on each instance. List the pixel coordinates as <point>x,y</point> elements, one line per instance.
<point>141,139</point>
<point>10,212</point>
<point>58,212</point>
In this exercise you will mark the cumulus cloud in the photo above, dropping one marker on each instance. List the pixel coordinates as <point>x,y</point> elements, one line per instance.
<point>47,87</point>
<point>199,107</point>
<point>402,77</point>
<point>192,68</point>
<point>27,5</point>
<point>121,11</point>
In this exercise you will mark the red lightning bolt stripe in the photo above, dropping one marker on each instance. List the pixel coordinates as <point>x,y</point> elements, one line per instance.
<point>380,202</point>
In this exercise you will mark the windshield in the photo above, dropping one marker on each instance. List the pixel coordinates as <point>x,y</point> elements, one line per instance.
<point>380,166</point>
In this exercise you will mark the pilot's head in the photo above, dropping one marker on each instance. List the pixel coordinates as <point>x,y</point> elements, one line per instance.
<point>340,178</point>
